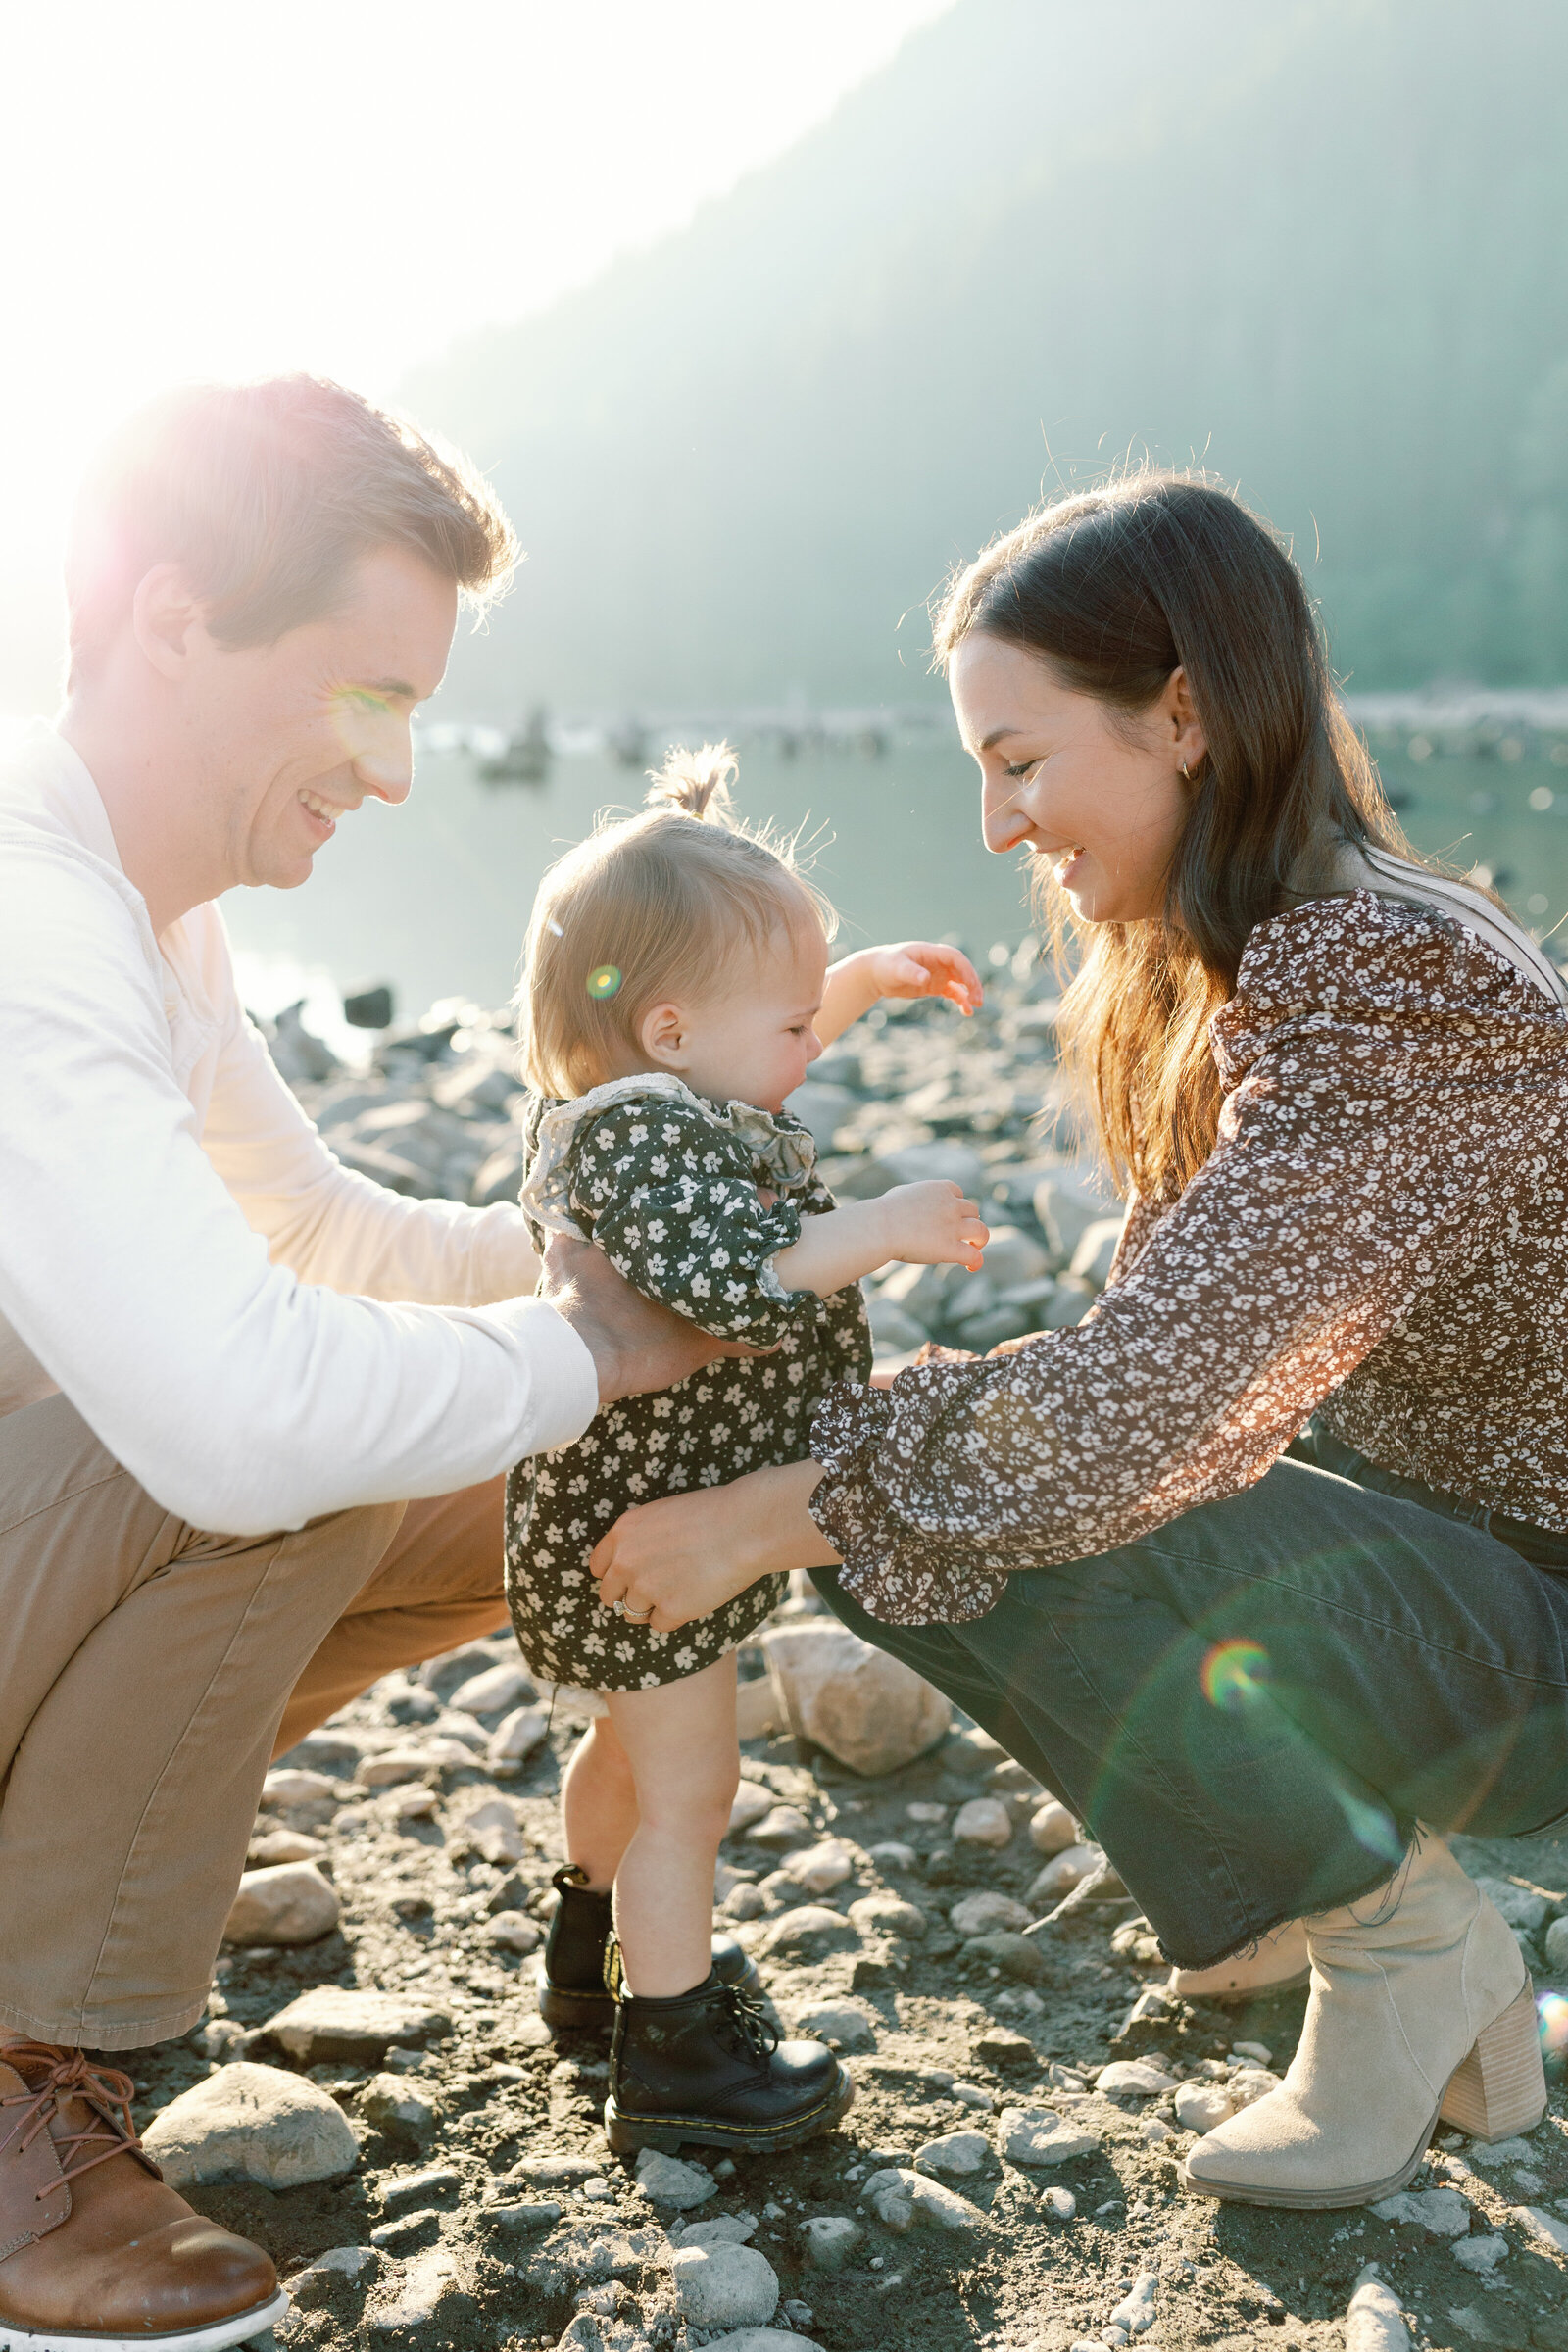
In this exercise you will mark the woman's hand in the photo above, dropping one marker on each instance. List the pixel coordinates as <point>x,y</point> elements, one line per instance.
<point>914,967</point>
<point>686,1555</point>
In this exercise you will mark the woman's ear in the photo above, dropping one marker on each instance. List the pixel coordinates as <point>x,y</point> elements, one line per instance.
<point>1185,729</point>
<point>662,1035</point>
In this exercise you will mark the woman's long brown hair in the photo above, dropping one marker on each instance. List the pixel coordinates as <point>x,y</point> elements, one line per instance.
<point>1115,588</point>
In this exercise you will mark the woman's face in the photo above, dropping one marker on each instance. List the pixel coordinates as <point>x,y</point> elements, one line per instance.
<point>1103,803</point>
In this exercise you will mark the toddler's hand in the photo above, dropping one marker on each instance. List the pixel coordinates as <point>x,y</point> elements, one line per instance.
<point>916,967</point>
<point>933,1225</point>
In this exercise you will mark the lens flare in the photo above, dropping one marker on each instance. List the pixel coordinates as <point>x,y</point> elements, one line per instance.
<point>1552,2011</point>
<point>1372,1825</point>
<point>605,982</point>
<point>1235,1675</point>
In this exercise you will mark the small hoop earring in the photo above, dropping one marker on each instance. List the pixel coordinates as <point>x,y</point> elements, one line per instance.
<point>1184,771</point>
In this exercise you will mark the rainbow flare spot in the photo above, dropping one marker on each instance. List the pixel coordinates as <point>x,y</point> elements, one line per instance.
<point>1235,1675</point>
<point>1552,2011</point>
<point>605,982</point>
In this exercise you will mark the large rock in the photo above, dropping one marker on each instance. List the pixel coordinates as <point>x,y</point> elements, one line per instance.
<point>843,2022</point>
<point>494,1831</point>
<point>956,2156</point>
<point>808,1932</point>
<point>890,1915</point>
<point>269,1847</point>
<point>1203,2106</point>
<point>753,1803</point>
<point>252,2122</point>
<point>829,2241</point>
<point>862,1706</point>
<point>1072,1867</point>
<point>1052,1829</point>
<point>396,1764</point>
<point>429,2286</point>
<point>780,1827</point>
<point>983,1821</point>
<point>818,1868</point>
<point>980,1914</point>
<point>904,2199</point>
<point>1440,2212</point>
<point>1138,2079</point>
<point>515,1738</point>
<point>393,2104</point>
<point>337,2022</point>
<point>725,2285</point>
<point>762,2339</point>
<point>287,1790</point>
<point>1038,2135</point>
<point>495,1692</point>
<point>287,1903</point>
<point>665,2180</point>
<point>1375,2322</point>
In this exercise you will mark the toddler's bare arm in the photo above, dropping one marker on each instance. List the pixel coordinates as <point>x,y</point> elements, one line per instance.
<point>927,1224</point>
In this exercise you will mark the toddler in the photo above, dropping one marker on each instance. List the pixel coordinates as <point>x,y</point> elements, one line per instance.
<point>677,991</point>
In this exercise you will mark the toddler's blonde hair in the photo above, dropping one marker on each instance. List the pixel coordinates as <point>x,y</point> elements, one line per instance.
<point>649,907</point>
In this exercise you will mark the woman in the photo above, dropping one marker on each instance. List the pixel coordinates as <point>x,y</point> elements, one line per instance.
<point>1336,1085</point>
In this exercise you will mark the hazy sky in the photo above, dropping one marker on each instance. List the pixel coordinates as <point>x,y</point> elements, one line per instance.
<point>229,188</point>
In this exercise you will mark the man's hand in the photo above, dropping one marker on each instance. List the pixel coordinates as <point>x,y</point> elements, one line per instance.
<point>635,1344</point>
<point>687,1554</point>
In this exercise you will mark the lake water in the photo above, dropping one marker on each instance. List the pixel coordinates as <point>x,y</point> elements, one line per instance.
<point>434,895</point>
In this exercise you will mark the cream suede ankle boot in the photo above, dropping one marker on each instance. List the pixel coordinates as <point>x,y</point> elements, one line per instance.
<point>1278,1963</point>
<point>1420,2003</point>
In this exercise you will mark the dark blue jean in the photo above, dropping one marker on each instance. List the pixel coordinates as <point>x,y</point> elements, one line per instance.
<point>1250,1709</point>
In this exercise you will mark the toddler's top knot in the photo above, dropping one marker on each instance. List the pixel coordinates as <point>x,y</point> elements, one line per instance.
<point>698,784</point>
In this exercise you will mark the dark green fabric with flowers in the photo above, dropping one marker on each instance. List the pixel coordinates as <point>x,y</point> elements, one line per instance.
<point>674,1191</point>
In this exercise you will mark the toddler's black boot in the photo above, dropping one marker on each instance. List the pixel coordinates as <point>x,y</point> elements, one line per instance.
<point>576,1976</point>
<point>707,2067</point>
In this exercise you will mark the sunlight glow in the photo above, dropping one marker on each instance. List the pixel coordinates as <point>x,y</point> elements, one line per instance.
<point>197,192</point>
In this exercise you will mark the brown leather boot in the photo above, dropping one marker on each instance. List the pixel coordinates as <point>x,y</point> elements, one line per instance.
<point>95,2252</point>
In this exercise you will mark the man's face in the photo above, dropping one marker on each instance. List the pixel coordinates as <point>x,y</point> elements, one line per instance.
<point>296,735</point>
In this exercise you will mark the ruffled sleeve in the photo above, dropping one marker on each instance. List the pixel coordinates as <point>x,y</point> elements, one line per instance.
<point>669,1196</point>
<point>1386,1083</point>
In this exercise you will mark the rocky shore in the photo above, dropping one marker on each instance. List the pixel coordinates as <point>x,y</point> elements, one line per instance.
<point>912,1091</point>
<point>372,2092</point>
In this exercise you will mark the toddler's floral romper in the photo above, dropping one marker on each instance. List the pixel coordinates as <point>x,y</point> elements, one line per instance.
<point>667,1184</point>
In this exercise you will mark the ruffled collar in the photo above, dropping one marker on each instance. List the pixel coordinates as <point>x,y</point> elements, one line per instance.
<point>781,1151</point>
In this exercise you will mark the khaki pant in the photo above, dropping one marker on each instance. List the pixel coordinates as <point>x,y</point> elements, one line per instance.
<point>148,1674</point>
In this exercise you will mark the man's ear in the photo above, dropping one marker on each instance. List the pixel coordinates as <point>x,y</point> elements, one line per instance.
<point>662,1035</point>
<point>165,615</point>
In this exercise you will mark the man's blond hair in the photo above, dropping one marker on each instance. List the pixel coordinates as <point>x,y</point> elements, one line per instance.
<point>265,496</point>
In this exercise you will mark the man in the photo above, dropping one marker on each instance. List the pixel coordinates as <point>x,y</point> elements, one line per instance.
<point>236,1485</point>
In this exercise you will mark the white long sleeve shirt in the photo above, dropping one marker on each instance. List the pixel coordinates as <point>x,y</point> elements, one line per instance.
<point>258,1334</point>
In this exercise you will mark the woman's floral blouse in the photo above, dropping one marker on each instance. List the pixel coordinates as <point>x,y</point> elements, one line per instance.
<point>1380,1236</point>
<point>670,1188</point>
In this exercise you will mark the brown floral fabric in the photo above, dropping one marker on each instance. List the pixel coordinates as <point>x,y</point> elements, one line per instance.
<point>1380,1236</point>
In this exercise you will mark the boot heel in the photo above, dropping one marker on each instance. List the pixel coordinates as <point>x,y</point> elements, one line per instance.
<point>626,2136</point>
<point>1501,2089</point>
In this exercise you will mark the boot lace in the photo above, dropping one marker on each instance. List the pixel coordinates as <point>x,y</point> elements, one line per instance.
<point>68,2074</point>
<point>743,2028</point>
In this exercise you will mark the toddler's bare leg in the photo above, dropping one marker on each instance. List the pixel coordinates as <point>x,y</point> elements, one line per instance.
<point>599,1804</point>
<point>681,1745</point>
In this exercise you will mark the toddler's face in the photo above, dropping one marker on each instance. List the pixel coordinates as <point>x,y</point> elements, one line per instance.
<point>753,1040</point>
